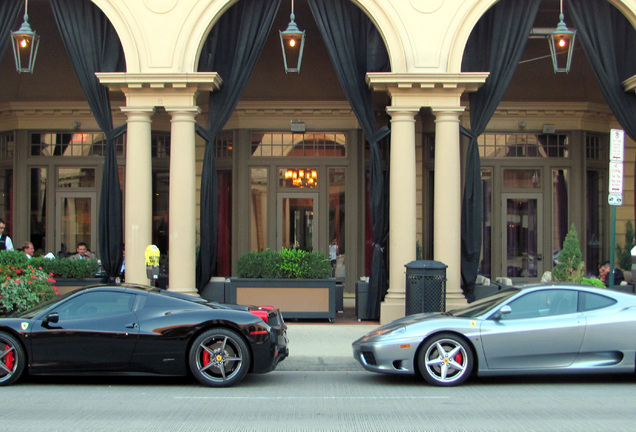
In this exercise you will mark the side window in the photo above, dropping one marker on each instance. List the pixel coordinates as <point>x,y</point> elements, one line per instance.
<point>543,304</point>
<point>589,302</point>
<point>97,304</point>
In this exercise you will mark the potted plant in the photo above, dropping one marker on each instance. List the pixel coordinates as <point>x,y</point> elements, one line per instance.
<point>296,281</point>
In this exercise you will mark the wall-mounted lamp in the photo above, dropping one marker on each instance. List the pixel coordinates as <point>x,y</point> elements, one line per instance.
<point>25,44</point>
<point>561,42</point>
<point>292,42</point>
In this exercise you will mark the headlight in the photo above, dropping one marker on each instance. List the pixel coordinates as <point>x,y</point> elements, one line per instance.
<point>387,331</point>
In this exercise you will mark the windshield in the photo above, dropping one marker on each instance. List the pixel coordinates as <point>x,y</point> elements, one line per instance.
<point>481,307</point>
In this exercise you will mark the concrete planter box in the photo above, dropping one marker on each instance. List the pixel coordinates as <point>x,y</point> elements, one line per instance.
<point>296,298</point>
<point>626,288</point>
<point>65,285</point>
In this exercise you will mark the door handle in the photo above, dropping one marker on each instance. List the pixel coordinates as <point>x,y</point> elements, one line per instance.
<point>540,257</point>
<point>131,325</point>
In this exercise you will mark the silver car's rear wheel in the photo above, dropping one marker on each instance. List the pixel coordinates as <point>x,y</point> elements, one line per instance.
<point>12,359</point>
<point>219,358</point>
<point>445,360</point>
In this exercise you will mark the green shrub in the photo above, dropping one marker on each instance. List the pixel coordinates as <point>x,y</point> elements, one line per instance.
<point>286,264</point>
<point>570,267</point>
<point>593,281</point>
<point>58,267</point>
<point>625,253</point>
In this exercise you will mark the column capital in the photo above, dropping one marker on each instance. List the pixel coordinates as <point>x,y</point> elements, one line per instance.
<point>402,113</point>
<point>426,90</point>
<point>176,89</point>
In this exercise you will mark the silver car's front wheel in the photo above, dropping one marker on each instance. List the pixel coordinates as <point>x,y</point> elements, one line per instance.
<point>445,360</point>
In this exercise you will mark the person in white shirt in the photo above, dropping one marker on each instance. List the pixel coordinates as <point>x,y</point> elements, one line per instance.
<point>5,240</point>
<point>28,249</point>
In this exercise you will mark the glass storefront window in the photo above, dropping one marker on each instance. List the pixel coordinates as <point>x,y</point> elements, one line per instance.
<point>288,144</point>
<point>560,213</point>
<point>37,208</point>
<point>596,194</point>
<point>258,208</point>
<point>522,178</point>
<point>522,145</point>
<point>160,209</point>
<point>6,200</point>
<point>72,177</point>
<point>73,144</point>
<point>337,244</point>
<point>7,146</point>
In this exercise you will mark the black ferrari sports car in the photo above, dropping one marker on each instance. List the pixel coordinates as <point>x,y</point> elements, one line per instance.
<point>120,329</point>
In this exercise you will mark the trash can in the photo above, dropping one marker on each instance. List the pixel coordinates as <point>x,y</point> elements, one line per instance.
<point>362,299</point>
<point>425,287</point>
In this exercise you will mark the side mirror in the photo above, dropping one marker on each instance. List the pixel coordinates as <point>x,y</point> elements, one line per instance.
<point>505,310</point>
<point>52,318</point>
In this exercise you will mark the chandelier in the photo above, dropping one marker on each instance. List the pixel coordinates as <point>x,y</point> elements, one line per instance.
<point>302,178</point>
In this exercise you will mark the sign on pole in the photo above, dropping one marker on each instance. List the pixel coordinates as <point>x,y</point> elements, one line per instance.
<point>617,145</point>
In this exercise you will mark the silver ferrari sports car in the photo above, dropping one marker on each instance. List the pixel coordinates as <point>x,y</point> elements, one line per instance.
<point>534,329</point>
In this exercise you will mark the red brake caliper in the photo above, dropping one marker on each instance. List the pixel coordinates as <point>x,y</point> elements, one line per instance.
<point>459,358</point>
<point>8,359</point>
<point>206,358</point>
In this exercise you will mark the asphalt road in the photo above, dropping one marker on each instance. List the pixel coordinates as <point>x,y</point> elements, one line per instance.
<point>327,398</point>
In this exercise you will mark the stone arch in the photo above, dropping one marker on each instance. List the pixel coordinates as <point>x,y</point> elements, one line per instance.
<point>214,10</point>
<point>479,9</point>
<point>126,36</point>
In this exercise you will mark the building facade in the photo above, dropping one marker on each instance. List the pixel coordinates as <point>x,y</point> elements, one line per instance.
<point>293,161</point>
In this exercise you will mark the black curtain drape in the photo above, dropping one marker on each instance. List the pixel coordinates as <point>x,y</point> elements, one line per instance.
<point>495,45</point>
<point>608,40</point>
<point>231,49</point>
<point>355,48</point>
<point>9,12</point>
<point>93,46</point>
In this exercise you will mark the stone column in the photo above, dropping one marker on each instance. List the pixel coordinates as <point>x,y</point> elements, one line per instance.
<point>447,205</point>
<point>182,216</point>
<point>402,209</point>
<point>138,201</point>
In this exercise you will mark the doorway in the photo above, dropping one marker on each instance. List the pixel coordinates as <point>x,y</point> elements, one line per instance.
<point>297,221</point>
<point>76,220</point>
<point>522,236</point>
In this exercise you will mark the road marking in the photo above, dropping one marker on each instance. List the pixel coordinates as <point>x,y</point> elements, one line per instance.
<point>313,397</point>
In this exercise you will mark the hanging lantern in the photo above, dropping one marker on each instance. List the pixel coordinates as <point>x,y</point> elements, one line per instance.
<point>25,44</point>
<point>292,42</point>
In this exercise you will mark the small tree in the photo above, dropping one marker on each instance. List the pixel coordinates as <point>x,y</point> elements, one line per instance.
<point>625,253</point>
<point>571,266</point>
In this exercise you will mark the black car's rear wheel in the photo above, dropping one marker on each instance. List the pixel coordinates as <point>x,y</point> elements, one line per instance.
<point>219,358</point>
<point>445,360</point>
<point>12,359</point>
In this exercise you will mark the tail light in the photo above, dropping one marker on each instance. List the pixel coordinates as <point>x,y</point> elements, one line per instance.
<point>262,314</point>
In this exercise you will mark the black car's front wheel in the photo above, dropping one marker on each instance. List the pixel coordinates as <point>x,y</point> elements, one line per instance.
<point>219,358</point>
<point>12,359</point>
<point>445,360</point>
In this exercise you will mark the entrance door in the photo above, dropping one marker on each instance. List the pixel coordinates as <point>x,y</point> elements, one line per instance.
<point>76,220</point>
<point>297,221</point>
<point>522,236</point>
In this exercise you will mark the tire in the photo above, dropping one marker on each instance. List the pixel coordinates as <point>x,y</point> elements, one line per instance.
<point>219,358</point>
<point>12,359</point>
<point>445,360</point>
